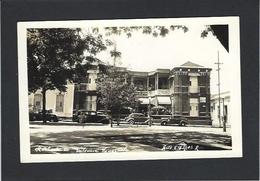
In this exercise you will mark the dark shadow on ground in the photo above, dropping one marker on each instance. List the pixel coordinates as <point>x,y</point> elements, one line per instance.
<point>94,141</point>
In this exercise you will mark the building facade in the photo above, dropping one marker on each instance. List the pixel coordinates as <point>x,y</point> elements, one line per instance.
<point>184,90</point>
<point>224,109</point>
<point>85,93</point>
<point>59,103</point>
<point>191,91</point>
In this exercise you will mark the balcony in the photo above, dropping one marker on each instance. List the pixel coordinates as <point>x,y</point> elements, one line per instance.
<point>85,87</point>
<point>180,89</point>
<point>141,93</point>
<point>159,92</point>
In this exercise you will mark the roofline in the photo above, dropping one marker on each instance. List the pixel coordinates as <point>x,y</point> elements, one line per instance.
<point>192,67</point>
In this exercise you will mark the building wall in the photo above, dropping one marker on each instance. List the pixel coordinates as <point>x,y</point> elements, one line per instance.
<point>226,111</point>
<point>61,103</point>
<point>191,92</point>
<point>85,96</point>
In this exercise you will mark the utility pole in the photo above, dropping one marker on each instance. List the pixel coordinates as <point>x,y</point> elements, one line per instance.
<point>224,115</point>
<point>114,61</point>
<point>219,98</point>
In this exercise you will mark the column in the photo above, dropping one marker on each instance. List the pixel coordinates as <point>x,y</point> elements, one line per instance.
<point>147,83</point>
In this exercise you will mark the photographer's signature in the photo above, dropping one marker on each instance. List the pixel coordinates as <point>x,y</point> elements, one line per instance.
<point>182,146</point>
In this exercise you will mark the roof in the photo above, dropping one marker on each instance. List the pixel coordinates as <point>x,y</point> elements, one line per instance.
<point>191,65</point>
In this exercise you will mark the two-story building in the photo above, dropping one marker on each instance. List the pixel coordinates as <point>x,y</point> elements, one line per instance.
<point>152,88</point>
<point>190,91</point>
<point>85,93</point>
<point>184,90</point>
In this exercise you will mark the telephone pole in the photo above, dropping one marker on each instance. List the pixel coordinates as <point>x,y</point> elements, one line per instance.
<point>219,98</point>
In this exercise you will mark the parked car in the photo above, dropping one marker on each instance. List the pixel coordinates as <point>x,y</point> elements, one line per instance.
<point>83,116</point>
<point>175,120</point>
<point>38,116</point>
<point>159,112</point>
<point>124,112</point>
<point>102,111</point>
<point>137,118</point>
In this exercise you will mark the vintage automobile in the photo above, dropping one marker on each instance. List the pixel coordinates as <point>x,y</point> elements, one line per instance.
<point>174,120</point>
<point>120,116</point>
<point>137,118</point>
<point>38,116</point>
<point>83,116</point>
<point>159,112</point>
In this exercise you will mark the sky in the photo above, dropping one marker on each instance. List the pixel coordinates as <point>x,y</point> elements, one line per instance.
<point>143,52</point>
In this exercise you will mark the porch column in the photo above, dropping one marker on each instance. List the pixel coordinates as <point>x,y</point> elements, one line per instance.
<point>132,80</point>
<point>147,83</point>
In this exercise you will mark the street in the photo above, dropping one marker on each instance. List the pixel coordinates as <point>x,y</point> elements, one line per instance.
<point>91,138</point>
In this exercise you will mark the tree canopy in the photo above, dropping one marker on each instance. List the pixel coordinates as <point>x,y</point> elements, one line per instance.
<point>56,56</point>
<point>115,91</point>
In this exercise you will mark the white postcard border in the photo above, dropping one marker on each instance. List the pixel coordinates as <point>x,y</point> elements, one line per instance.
<point>236,120</point>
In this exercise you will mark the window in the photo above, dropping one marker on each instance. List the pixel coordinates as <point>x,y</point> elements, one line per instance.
<point>203,99</point>
<point>37,101</point>
<point>59,103</point>
<point>83,87</point>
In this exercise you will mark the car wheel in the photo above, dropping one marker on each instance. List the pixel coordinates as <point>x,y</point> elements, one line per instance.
<point>131,122</point>
<point>52,120</point>
<point>164,123</point>
<point>33,118</point>
<point>183,124</point>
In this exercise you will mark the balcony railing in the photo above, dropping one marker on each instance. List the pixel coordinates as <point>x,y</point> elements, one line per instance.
<point>141,93</point>
<point>159,92</point>
<point>181,89</point>
<point>85,87</point>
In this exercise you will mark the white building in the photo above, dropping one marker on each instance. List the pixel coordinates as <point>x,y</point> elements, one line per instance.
<point>61,103</point>
<point>224,109</point>
<point>78,96</point>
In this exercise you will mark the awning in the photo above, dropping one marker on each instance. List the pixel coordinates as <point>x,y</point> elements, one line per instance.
<point>144,100</point>
<point>164,100</point>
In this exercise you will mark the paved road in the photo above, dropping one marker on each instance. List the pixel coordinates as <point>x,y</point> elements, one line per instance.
<point>100,138</point>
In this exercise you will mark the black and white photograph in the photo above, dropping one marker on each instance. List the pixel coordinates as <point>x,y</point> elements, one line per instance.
<point>129,89</point>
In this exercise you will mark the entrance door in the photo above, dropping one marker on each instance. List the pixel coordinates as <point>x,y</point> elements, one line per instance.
<point>194,107</point>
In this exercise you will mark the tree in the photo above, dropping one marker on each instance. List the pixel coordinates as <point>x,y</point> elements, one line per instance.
<point>114,91</point>
<point>57,56</point>
<point>220,31</point>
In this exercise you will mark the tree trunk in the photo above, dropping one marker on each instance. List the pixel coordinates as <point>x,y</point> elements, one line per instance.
<point>44,106</point>
<point>111,120</point>
<point>119,116</point>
